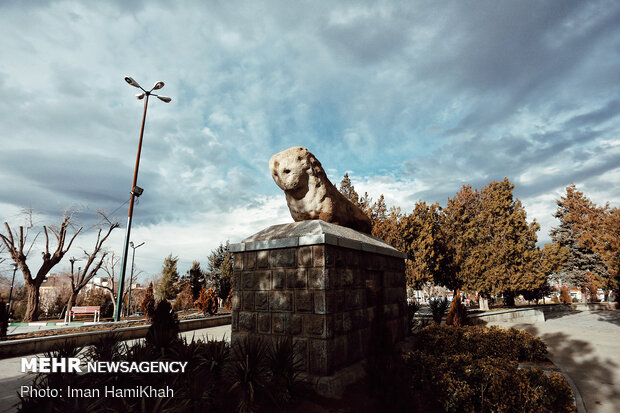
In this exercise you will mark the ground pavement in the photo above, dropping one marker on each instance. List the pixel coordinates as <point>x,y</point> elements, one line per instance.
<point>11,377</point>
<point>586,346</point>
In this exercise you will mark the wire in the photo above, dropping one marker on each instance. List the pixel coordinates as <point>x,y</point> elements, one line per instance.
<point>110,215</point>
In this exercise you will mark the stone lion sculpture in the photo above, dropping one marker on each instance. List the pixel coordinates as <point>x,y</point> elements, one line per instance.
<point>310,195</point>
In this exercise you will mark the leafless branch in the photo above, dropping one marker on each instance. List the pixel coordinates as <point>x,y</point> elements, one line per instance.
<point>21,239</point>
<point>2,248</point>
<point>32,243</point>
<point>109,268</point>
<point>8,228</point>
<point>47,241</point>
<point>88,273</point>
<point>104,216</point>
<point>28,212</point>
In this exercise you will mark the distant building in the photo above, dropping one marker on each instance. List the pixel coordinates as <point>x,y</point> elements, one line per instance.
<point>580,296</point>
<point>97,283</point>
<point>54,286</point>
<point>102,283</point>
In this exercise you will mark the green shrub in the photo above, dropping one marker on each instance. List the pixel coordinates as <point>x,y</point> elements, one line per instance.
<point>438,308</point>
<point>286,364</point>
<point>544,393</point>
<point>457,316</point>
<point>59,380</point>
<point>412,308</point>
<point>565,295</point>
<point>511,344</point>
<point>249,373</point>
<point>148,303</point>
<point>212,302</point>
<point>228,302</point>
<point>531,348</point>
<point>185,299</point>
<point>459,382</point>
<point>107,348</point>
<point>207,301</point>
<point>475,369</point>
<point>201,382</point>
<point>164,331</point>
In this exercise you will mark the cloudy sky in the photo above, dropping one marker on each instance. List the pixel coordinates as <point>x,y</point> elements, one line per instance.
<point>413,99</point>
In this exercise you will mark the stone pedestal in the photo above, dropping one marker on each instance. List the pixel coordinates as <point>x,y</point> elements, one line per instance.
<point>322,285</point>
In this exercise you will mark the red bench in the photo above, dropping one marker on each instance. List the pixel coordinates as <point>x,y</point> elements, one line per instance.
<point>87,310</point>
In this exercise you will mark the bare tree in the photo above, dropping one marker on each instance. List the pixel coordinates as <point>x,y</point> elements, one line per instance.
<point>109,266</point>
<point>2,249</point>
<point>15,242</point>
<point>84,275</point>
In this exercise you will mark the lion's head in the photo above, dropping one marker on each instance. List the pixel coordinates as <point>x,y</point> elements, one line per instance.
<point>291,168</point>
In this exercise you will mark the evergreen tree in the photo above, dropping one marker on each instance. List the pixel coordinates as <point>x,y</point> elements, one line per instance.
<point>386,223</point>
<point>168,287</point>
<point>185,299</point>
<point>378,212</point>
<point>424,245</point>
<point>220,270</point>
<point>607,244</point>
<point>459,231</point>
<point>348,190</point>
<point>196,279</point>
<point>551,260</point>
<point>365,203</point>
<point>599,231</point>
<point>494,248</point>
<point>207,301</point>
<point>506,258</point>
<point>147,305</point>
<point>227,278</point>
<point>576,214</point>
<point>214,266</point>
<point>457,316</point>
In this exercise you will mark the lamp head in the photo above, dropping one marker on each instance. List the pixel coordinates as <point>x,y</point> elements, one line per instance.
<point>164,98</point>
<point>137,191</point>
<point>158,85</point>
<point>140,96</point>
<point>132,82</point>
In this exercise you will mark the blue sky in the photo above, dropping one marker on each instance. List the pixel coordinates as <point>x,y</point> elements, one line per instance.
<point>413,99</point>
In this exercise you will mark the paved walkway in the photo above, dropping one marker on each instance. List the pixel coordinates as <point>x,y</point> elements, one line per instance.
<point>586,346</point>
<point>11,377</point>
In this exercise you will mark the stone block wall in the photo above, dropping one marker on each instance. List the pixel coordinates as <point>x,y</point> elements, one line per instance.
<point>324,297</point>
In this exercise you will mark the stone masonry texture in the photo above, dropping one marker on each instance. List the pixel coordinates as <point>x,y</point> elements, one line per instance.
<point>324,297</point>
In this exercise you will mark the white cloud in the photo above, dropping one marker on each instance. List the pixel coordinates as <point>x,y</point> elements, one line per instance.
<point>414,100</point>
<point>195,239</point>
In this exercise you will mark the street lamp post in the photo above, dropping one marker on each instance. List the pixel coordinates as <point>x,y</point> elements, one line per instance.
<point>131,276</point>
<point>11,290</point>
<point>135,190</point>
<point>72,260</point>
